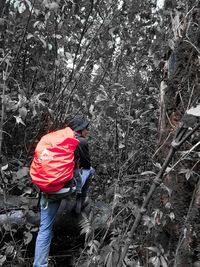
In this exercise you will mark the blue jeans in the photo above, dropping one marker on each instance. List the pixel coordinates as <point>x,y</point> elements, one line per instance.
<point>48,216</point>
<point>86,176</point>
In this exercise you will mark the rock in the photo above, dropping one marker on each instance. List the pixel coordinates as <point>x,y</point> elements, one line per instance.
<point>196,264</point>
<point>18,211</point>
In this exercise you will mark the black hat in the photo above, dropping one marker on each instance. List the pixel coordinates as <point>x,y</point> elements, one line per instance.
<point>78,124</point>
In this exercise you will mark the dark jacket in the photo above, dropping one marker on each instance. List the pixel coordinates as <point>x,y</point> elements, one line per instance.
<point>82,153</point>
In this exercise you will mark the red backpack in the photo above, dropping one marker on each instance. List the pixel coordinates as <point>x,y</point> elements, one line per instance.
<point>53,163</point>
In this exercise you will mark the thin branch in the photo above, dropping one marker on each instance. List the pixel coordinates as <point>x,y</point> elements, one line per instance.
<point>3,106</point>
<point>185,155</point>
<point>179,139</point>
<point>189,102</point>
<point>23,38</point>
<point>173,126</point>
<point>195,165</point>
<point>76,55</point>
<point>79,64</point>
<point>162,144</point>
<point>185,16</point>
<point>192,45</point>
<point>182,236</point>
<point>4,58</point>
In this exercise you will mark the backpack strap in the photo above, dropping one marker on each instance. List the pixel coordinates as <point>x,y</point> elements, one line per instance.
<point>39,198</point>
<point>74,185</point>
<point>63,192</point>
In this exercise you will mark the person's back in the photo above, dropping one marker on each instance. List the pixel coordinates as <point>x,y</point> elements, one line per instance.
<point>82,152</point>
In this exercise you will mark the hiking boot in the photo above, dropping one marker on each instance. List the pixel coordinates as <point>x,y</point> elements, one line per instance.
<point>81,203</point>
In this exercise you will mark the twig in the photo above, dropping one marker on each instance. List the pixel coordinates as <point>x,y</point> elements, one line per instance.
<point>3,106</point>
<point>61,256</point>
<point>75,58</point>
<point>189,23</point>
<point>189,102</point>
<point>4,58</point>
<point>173,126</point>
<point>23,38</point>
<point>185,17</point>
<point>185,155</point>
<point>114,200</point>
<point>7,209</point>
<point>75,70</point>
<point>195,165</point>
<point>162,144</point>
<point>192,45</point>
<point>182,236</point>
<point>179,139</point>
<point>181,100</point>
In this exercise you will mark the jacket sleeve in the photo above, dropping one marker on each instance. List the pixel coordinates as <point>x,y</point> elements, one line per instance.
<point>76,158</point>
<point>82,153</point>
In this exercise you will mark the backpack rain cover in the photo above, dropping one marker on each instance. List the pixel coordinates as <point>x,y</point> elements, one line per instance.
<point>53,163</point>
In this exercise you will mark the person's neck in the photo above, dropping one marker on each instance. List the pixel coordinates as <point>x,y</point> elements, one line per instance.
<point>79,135</point>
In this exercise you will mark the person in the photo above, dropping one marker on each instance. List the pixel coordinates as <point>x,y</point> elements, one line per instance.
<point>50,207</point>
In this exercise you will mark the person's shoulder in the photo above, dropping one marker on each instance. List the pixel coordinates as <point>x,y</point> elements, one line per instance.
<point>82,140</point>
